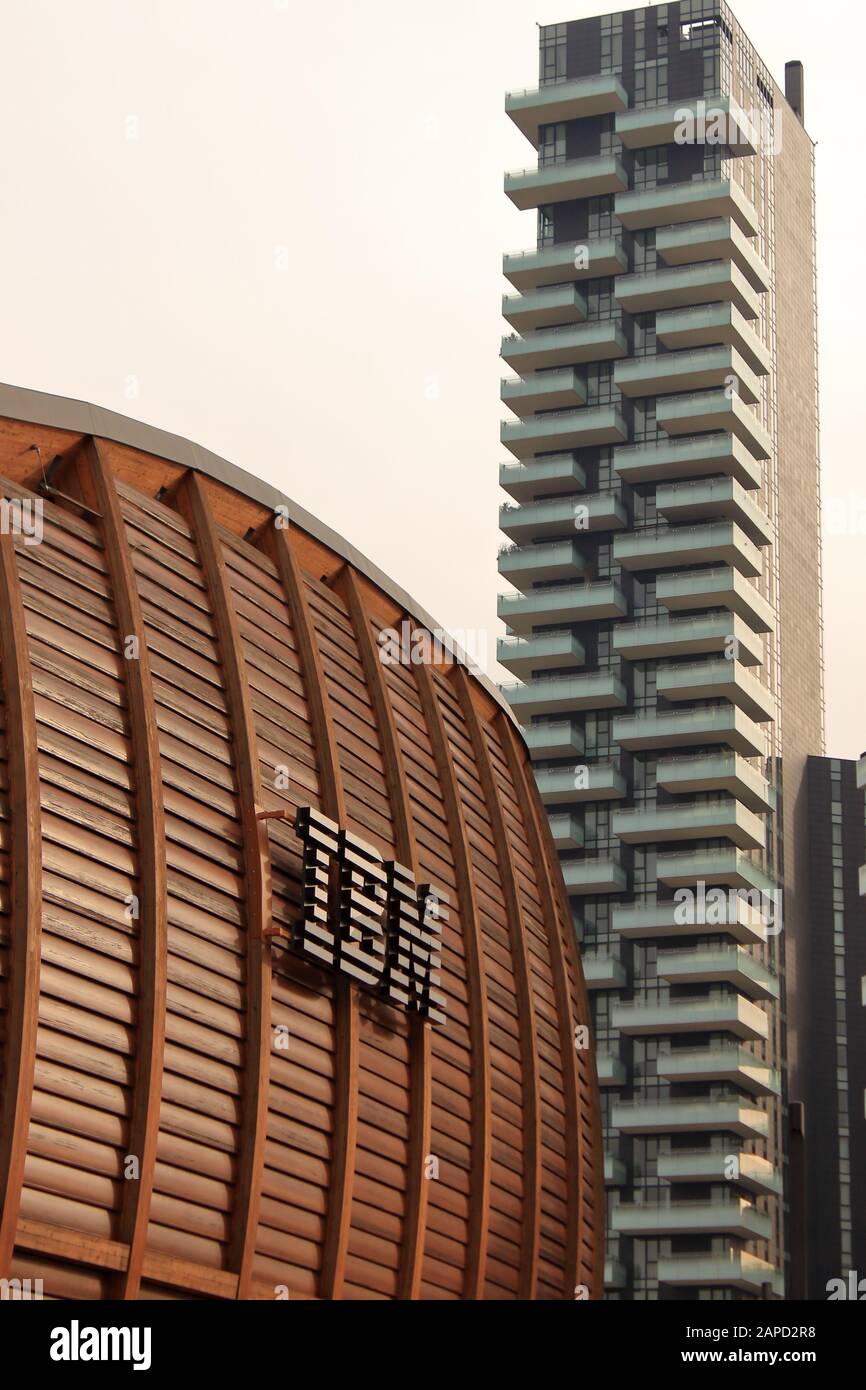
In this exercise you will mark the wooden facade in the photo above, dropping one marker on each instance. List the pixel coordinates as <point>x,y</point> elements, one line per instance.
<point>172,666</point>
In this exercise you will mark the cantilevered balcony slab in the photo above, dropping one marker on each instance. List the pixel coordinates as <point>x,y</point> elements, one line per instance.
<point>726,1215</point>
<point>704,633</point>
<point>735,1270</point>
<point>561,694</point>
<point>712,498</point>
<point>611,1072</point>
<point>701,820</point>
<point>566,181</point>
<point>717,588</point>
<point>664,547</point>
<point>524,565</point>
<point>589,259</point>
<point>664,921</point>
<point>680,1116</point>
<point>603,971</point>
<point>567,603</point>
<point>754,1174</point>
<point>547,651</point>
<point>730,868</point>
<point>669,460</point>
<point>719,1062</point>
<point>731,965</point>
<point>686,202</point>
<point>601,340</point>
<point>728,1014</point>
<point>600,511</point>
<point>594,877</point>
<point>563,786</point>
<point>709,680</point>
<point>555,473</point>
<point>561,738</point>
<point>669,372</point>
<point>715,772</point>
<point>556,390</point>
<point>663,729</point>
<point>577,429</point>
<point>566,830</point>
<point>544,308</point>
<point>714,323</point>
<point>714,410</point>
<point>713,121</point>
<point>719,239</point>
<point>567,100</point>
<point>673,287</point>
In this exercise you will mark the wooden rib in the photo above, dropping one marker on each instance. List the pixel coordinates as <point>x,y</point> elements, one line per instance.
<point>193,498</point>
<point>546,877</point>
<point>344,1133</point>
<point>99,489</point>
<point>420,1060</point>
<point>481,1119</point>
<point>26,899</point>
<point>525,1003</point>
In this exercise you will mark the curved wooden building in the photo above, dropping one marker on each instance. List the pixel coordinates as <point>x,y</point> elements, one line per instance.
<point>193,1103</point>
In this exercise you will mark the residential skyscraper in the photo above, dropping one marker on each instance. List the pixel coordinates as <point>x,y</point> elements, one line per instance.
<point>664,542</point>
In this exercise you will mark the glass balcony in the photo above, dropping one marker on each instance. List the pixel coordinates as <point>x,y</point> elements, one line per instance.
<point>566,100</point>
<point>717,240</point>
<point>728,1014</point>
<point>736,1270</point>
<point>710,324</point>
<point>714,410</point>
<point>591,877</point>
<point>715,497</point>
<point>557,390</point>
<point>559,739</point>
<point>601,340</point>
<point>722,724</point>
<point>566,181</point>
<point>548,651</point>
<point>670,372</point>
<point>524,565</point>
<point>710,118</point>
<point>651,921</point>
<point>603,971</point>
<point>591,782</point>
<point>700,820</point>
<point>716,1063</point>
<point>558,473</point>
<point>710,680</point>
<point>716,588</point>
<point>561,694</point>
<point>592,259</point>
<point>708,632</point>
<point>567,831</point>
<point>562,304</point>
<point>600,511</point>
<point>754,1173</point>
<point>729,1215</point>
<point>730,965</point>
<point>567,603</point>
<point>615,1171</point>
<point>716,772</point>
<point>728,867</point>
<point>670,459</point>
<point>615,1276</point>
<point>681,1116</point>
<point>611,1072</point>
<point>686,202</point>
<point>579,429</point>
<point>674,287</point>
<point>719,542</point>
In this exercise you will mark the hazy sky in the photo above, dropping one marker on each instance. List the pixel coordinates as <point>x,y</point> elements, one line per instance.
<point>276,228</point>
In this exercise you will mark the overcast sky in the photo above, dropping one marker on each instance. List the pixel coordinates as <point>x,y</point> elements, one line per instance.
<point>276,228</point>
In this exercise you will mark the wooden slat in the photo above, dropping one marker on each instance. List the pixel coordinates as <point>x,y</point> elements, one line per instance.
<point>525,1002</point>
<point>420,1057</point>
<point>97,481</point>
<point>481,1119</point>
<point>193,499</point>
<point>26,899</point>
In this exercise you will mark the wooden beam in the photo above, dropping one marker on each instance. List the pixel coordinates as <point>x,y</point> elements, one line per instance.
<point>26,899</point>
<point>193,500</point>
<point>481,1118</point>
<point>98,487</point>
<point>525,1002</point>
